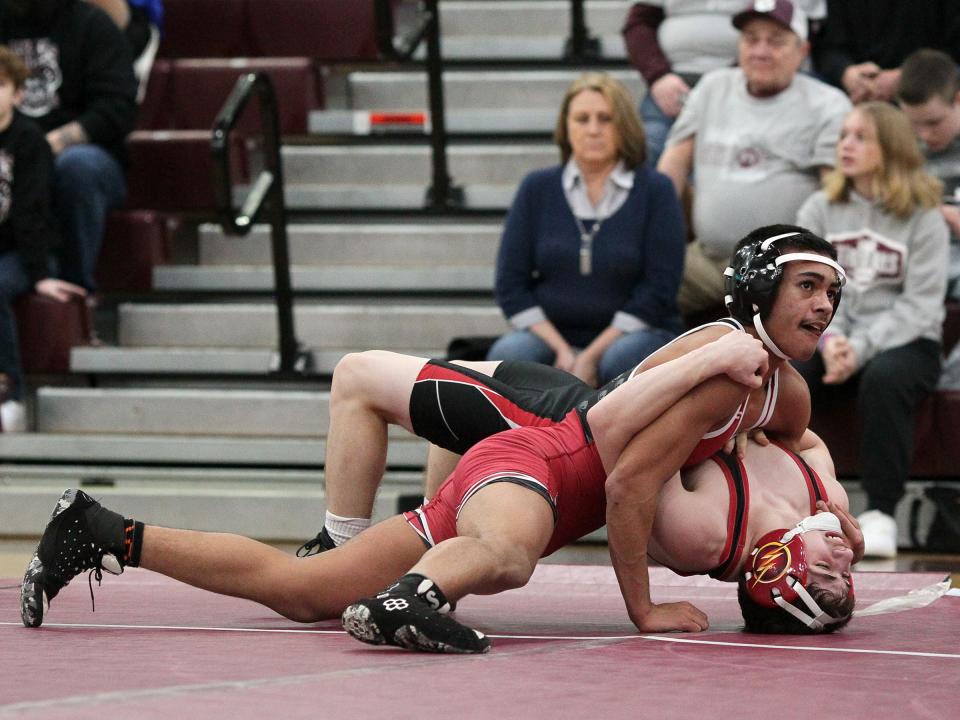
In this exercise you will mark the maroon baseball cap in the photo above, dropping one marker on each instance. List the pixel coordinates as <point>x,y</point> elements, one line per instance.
<point>782,12</point>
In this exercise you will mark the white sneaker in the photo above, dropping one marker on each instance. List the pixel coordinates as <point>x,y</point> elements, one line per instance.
<point>879,534</point>
<point>13,416</point>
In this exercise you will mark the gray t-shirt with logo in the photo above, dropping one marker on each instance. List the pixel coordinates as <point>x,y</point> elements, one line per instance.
<point>896,271</point>
<point>755,159</point>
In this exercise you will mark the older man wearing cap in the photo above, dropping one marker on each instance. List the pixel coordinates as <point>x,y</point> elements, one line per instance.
<point>757,135</point>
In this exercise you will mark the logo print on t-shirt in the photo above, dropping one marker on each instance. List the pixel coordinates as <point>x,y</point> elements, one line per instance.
<point>748,157</point>
<point>42,56</point>
<point>869,258</point>
<point>6,184</point>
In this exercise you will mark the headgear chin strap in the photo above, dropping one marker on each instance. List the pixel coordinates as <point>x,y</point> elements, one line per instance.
<point>752,279</point>
<point>777,571</point>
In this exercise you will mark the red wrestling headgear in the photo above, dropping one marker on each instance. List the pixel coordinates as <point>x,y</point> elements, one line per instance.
<point>777,571</point>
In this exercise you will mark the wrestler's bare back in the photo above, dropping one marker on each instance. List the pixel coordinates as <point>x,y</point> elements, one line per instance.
<point>690,530</point>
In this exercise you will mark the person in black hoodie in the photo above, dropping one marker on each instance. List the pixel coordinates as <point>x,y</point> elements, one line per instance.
<point>27,228</point>
<point>82,93</point>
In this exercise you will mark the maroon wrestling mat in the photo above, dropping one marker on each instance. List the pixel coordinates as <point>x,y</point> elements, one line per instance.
<point>563,648</point>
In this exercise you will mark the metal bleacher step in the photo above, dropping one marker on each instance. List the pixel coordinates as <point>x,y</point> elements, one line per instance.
<point>517,101</point>
<point>199,450</point>
<point>476,90</point>
<point>109,360</point>
<point>397,176</point>
<point>275,504</point>
<point>240,338</point>
<point>183,411</point>
<point>363,279</point>
<point>399,257</point>
<point>398,245</point>
<point>244,325</point>
<point>512,29</point>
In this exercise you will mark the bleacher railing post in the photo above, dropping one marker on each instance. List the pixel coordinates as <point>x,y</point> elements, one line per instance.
<point>580,46</point>
<point>442,194</point>
<point>266,191</point>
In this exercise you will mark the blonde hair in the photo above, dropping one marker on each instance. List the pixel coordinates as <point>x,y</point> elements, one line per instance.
<point>900,183</point>
<point>633,140</point>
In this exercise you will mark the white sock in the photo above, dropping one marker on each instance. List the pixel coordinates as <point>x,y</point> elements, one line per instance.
<point>341,529</point>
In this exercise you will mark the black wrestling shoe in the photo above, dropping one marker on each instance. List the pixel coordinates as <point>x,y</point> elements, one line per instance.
<point>314,546</point>
<point>411,614</point>
<point>81,535</point>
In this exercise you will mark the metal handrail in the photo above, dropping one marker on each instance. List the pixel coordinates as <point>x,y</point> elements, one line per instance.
<point>443,194</point>
<point>265,195</point>
<point>581,46</point>
<point>391,47</point>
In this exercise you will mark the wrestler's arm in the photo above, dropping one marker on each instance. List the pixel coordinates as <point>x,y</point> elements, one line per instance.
<point>645,397</point>
<point>789,421</point>
<point>817,455</point>
<point>792,414</point>
<point>632,488</point>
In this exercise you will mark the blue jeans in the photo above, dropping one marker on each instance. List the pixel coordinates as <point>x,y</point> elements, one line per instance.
<point>656,125</point>
<point>14,281</point>
<point>627,351</point>
<point>88,183</point>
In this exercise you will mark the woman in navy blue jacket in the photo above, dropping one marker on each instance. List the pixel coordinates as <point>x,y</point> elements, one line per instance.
<point>592,249</point>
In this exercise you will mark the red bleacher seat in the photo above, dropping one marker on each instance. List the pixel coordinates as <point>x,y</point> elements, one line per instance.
<point>48,329</point>
<point>173,169</point>
<point>155,109</point>
<point>328,30</point>
<point>197,90</point>
<point>324,29</point>
<point>134,243</point>
<point>205,28</point>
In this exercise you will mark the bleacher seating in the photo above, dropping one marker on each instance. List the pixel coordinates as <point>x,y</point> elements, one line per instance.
<point>187,94</point>
<point>49,329</point>
<point>172,169</point>
<point>135,242</point>
<point>331,30</point>
<point>328,30</point>
<point>182,394</point>
<point>204,28</point>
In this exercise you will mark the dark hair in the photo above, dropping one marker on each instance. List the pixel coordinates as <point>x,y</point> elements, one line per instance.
<point>12,67</point>
<point>777,621</point>
<point>925,74</point>
<point>805,240</point>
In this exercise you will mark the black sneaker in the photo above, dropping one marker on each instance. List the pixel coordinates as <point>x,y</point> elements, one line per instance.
<point>411,614</point>
<point>317,545</point>
<point>81,535</point>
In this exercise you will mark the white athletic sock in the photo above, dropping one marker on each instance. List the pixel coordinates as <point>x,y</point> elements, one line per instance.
<point>341,529</point>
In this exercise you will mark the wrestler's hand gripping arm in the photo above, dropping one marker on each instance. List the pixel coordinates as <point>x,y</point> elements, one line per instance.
<point>646,452</point>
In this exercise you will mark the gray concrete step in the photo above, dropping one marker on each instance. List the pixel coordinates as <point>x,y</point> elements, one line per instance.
<point>270,505</point>
<point>397,176</point>
<point>188,361</point>
<point>359,279</point>
<point>425,328</point>
<point>474,29</point>
<point>490,92</point>
<point>458,122</point>
<point>506,101</point>
<point>397,245</point>
<point>404,450</point>
<point>188,412</point>
<point>404,164</point>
